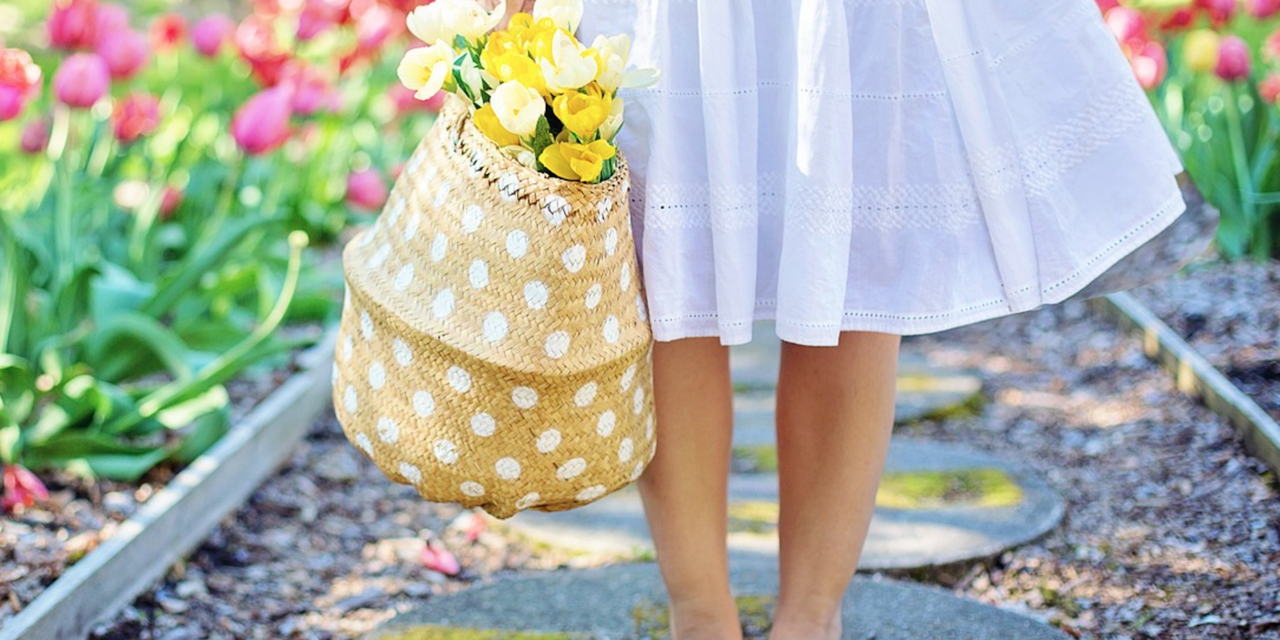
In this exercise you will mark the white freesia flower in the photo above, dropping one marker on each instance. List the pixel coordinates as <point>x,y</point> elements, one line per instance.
<point>640,78</point>
<point>567,14</point>
<point>570,66</point>
<point>425,69</point>
<point>445,19</point>
<point>613,122</point>
<point>613,53</point>
<point>517,107</point>
<point>523,155</point>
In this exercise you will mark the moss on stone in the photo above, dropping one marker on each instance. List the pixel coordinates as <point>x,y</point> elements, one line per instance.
<point>758,458</point>
<point>753,516</point>
<point>653,619</point>
<point>981,487</point>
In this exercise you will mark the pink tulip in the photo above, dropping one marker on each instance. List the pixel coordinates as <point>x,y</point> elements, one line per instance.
<point>167,31</point>
<point>1150,64</point>
<point>111,17</point>
<point>438,558</point>
<point>73,24</point>
<point>35,136</point>
<point>125,53</point>
<point>1107,5</point>
<point>311,90</point>
<point>135,116</point>
<point>317,17</point>
<point>1262,9</point>
<point>170,201</point>
<point>366,190</point>
<point>82,80</point>
<point>1125,23</point>
<point>19,82</point>
<point>21,487</point>
<point>258,45</point>
<point>210,32</point>
<point>262,123</point>
<point>1233,59</point>
<point>1220,11</point>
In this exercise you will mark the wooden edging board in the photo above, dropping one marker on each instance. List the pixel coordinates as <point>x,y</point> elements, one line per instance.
<point>1194,376</point>
<point>179,516</point>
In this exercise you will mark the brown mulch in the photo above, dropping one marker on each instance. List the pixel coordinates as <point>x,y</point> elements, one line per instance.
<point>1230,314</point>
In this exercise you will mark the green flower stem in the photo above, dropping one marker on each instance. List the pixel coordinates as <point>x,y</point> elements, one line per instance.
<point>8,283</point>
<point>227,363</point>
<point>1244,177</point>
<point>214,224</point>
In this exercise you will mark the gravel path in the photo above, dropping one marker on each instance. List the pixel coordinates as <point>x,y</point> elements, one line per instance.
<point>1230,313</point>
<point>1172,531</point>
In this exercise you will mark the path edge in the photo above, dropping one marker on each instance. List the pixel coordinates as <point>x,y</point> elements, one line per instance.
<point>1193,375</point>
<point>180,516</point>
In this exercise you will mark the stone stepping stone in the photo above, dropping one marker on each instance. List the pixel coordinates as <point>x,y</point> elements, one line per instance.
<point>628,601</point>
<point>938,504</point>
<point>923,390</point>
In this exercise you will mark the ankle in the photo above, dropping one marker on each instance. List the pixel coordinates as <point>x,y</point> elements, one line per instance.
<point>704,621</point>
<point>813,623</point>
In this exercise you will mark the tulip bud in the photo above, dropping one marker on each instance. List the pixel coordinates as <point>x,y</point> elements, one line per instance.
<point>73,24</point>
<point>82,80</point>
<point>169,202</point>
<point>1125,23</point>
<point>125,53</point>
<point>19,82</point>
<point>167,31</point>
<point>1262,9</point>
<point>262,123</point>
<point>35,136</point>
<point>135,116</point>
<point>1233,59</point>
<point>209,33</point>
<point>1150,64</point>
<point>21,487</point>
<point>1200,50</point>
<point>366,190</point>
<point>111,18</point>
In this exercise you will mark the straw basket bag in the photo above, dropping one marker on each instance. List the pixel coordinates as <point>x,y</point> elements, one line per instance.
<point>494,349</point>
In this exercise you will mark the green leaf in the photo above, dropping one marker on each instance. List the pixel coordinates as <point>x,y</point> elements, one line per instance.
<point>204,433</point>
<point>129,344</point>
<point>188,274</point>
<point>541,139</point>
<point>189,411</point>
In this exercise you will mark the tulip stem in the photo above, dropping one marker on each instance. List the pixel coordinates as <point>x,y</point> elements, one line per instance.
<point>215,221</point>
<point>1244,176</point>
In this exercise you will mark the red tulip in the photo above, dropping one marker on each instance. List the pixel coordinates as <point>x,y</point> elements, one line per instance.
<point>125,53</point>
<point>21,487</point>
<point>438,558</point>
<point>35,136</point>
<point>1271,47</point>
<point>19,82</point>
<point>210,32</point>
<point>1233,59</point>
<point>135,116</point>
<point>82,80</point>
<point>169,202</point>
<point>1150,64</point>
<point>262,123</point>
<point>256,40</point>
<point>73,24</point>
<point>366,190</point>
<point>167,31</point>
<point>1179,19</point>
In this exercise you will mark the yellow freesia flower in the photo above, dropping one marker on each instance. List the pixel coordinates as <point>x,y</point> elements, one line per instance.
<point>487,122</point>
<point>573,161</point>
<point>582,112</point>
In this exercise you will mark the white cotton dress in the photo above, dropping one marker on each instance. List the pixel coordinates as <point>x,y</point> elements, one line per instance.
<point>899,166</point>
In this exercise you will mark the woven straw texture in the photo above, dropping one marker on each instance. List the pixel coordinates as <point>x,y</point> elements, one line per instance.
<point>494,348</point>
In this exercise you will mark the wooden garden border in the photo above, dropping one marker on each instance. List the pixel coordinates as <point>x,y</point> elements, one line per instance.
<point>181,515</point>
<point>1193,375</point>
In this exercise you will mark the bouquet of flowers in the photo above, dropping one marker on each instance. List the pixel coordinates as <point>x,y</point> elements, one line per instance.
<point>495,350</point>
<point>545,98</point>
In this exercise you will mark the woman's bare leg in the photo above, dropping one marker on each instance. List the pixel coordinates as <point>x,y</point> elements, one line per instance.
<point>684,488</point>
<point>835,416</point>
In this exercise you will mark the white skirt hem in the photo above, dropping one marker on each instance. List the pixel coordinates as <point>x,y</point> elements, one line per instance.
<point>707,325</point>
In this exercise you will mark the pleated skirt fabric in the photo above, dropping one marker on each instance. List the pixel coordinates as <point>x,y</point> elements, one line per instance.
<point>898,166</point>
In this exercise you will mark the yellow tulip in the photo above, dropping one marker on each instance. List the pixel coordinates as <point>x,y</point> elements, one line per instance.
<point>487,122</point>
<point>573,161</point>
<point>1200,49</point>
<point>582,112</point>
